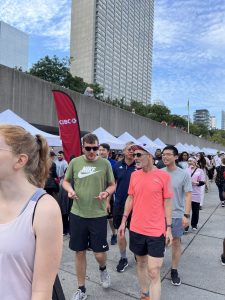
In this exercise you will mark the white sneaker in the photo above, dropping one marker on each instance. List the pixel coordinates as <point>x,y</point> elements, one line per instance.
<point>79,295</point>
<point>105,279</point>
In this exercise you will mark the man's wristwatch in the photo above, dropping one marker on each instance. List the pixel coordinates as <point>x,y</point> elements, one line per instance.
<point>169,225</point>
<point>187,216</point>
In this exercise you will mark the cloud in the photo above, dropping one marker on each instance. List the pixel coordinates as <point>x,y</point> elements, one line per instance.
<point>188,54</point>
<point>43,18</point>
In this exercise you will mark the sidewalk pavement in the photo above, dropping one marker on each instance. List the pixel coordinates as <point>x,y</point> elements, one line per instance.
<point>201,271</point>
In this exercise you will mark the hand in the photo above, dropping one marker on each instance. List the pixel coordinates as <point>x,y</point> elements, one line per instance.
<point>72,194</point>
<point>121,230</point>
<point>185,222</point>
<point>102,195</point>
<point>169,237</point>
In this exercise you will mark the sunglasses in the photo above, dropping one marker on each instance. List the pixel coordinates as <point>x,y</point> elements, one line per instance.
<point>139,154</point>
<point>129,149</point>
<point>95,148</point>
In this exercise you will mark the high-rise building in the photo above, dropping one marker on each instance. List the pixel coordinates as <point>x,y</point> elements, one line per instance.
<point>13,47</point>
<point>202,116</point>
<point>212,122</point>
<point>223,120</point>
<point>111,44</point>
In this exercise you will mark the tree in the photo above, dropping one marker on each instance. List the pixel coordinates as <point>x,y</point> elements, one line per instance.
<point>178,121</point>
<point>57,71</point>
<point>159,113</point>
<point>51,69</point>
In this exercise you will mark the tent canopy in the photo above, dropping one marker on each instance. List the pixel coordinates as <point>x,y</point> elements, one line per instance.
<point>9,117</point>
<point>160,143</point>
<point>144,140</point>
<point>106,137</point>
<point>127,137</point>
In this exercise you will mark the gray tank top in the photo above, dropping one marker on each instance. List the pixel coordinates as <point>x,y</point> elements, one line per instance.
<point>17,252</point>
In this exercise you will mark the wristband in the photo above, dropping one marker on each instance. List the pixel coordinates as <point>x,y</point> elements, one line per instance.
<point>107,193</point>
<point>169,225</point>
<point>125,216</point>
<point>187,216</point>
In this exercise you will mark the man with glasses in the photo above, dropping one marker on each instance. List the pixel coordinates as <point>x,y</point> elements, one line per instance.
<point>182,187</point>
<point>150,201</point>
<point>93,184</point>
<point>122,172</point>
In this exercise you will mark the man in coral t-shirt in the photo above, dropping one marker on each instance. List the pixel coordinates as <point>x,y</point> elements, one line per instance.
<point>149,199</point>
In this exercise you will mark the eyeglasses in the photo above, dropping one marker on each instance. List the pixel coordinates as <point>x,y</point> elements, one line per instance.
<point>167,154</point>
<point>139,154</point>
<point>87,148</point>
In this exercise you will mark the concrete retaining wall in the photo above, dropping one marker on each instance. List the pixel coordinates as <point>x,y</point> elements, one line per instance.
<point>31,98</point>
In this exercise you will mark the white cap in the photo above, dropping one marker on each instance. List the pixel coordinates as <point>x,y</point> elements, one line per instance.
<point>148,149</point>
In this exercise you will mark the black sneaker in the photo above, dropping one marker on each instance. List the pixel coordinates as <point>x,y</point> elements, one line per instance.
<point>175,279</point>
<point>113,239</point>
<point>222,260</point>
<point>222,203</point>
<point>123,263</point>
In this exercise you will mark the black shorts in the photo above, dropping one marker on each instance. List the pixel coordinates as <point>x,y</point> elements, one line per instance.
<point>118,216</point>
<point>110,215</point>
<point>88,233</point>
<point>147,245</point>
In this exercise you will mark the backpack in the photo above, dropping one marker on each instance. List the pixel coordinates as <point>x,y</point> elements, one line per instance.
<point>220,176</point>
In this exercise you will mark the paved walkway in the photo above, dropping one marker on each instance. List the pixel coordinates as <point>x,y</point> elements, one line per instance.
<point>202,275</point>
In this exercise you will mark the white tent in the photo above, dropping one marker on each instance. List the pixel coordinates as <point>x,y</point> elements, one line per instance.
<point>127,137</point>
<point>181,148</point>
<point>160,143</point>
<point>9,117</point>
<point>144,140</point>
<point>106,137</point>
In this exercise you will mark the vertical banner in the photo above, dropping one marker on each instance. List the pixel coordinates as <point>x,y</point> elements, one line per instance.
<point>69,127</point>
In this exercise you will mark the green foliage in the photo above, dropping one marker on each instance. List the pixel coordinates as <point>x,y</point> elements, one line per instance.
<point>178,121</point>
<point>217,136</point>
<point>57,71</point>
<point>51,69</point>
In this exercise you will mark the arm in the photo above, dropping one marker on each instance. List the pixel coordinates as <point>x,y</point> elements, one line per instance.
<point>108,191</point>
<point>185,220</point>
<point>128,208</point>
<point>68,187</point>
<point>48,230</point>
<point>168,214</point>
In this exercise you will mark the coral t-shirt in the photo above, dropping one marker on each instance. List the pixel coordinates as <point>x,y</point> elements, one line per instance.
<point>149,190</point>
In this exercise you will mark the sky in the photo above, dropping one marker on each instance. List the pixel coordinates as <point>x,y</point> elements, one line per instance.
<point>188,52</point>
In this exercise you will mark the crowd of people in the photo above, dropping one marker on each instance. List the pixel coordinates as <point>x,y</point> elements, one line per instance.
<point>155,196</point>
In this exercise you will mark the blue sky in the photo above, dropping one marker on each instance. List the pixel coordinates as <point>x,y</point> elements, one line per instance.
<point>188,54</point>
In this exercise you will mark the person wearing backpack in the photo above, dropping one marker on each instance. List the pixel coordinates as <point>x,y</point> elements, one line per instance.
<point>220,181</point>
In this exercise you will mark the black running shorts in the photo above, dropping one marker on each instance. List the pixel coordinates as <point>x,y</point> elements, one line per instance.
<point>147,245</point>
<point>88,233</point>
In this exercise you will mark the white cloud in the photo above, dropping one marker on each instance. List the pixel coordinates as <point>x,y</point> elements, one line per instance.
<point>43,18</point>
<point>188,56</point>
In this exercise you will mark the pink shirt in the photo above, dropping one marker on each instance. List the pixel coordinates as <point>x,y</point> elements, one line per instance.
<point>149,190</point>
<point>196,177</point>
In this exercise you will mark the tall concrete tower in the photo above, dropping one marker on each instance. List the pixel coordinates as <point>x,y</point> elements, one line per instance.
<point>111,44</point>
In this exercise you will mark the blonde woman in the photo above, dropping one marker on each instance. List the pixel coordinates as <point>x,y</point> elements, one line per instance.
<point>30,220</point>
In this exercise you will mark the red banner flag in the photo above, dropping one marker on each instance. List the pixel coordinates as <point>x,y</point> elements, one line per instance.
<point>69,127</point>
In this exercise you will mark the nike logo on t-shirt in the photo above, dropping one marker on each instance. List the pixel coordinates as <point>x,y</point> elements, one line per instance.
<point>87,171</point>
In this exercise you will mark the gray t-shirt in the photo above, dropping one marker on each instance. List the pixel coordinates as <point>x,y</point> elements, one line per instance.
<point>181,183</point>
